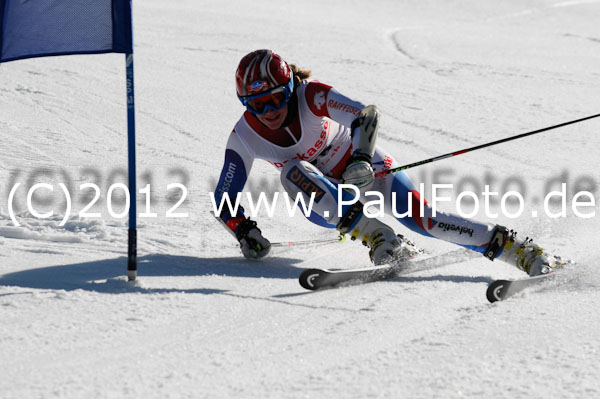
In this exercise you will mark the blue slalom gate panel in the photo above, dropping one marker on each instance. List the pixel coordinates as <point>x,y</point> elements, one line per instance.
<point>38,28</point>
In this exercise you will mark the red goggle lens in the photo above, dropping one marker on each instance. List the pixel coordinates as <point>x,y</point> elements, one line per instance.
<point>274,100</point>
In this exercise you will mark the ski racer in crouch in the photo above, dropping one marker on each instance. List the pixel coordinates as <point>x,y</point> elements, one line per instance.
<point>318,138</point>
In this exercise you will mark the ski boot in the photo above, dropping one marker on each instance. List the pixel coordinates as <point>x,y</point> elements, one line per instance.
<point>524,254</point>
<point>384,245</point>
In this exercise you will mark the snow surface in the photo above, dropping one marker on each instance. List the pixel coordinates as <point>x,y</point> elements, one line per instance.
<point>202,322</point>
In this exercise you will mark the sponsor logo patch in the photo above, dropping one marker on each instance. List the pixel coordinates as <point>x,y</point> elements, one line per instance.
<point>319,99</point>
<point>343,107</point>
<point>257,86</point>
<point>301,181</point>
<point>228,178</point>
<point>452,227</point>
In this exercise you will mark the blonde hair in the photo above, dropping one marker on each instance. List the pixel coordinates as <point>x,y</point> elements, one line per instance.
<point>300,75</point>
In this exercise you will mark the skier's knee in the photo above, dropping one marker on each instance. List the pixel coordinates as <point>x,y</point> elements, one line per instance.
<point>300,176</point>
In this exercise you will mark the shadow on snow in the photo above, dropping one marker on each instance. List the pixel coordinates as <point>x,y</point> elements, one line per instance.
<point>108,275</point>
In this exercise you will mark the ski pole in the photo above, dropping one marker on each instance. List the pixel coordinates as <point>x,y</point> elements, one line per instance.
<point>339,238</point>
<point>303,243</point>
<point>477,147</point>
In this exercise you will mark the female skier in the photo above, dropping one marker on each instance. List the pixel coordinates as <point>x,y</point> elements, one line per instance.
<point>318,138</point>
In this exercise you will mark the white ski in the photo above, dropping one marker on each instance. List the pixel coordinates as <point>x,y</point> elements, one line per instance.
<point>315,278</point>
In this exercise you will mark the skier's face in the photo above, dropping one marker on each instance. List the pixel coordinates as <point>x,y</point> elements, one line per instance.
<point>273,119</point>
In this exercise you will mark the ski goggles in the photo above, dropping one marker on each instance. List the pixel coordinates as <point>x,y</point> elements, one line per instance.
<point>274,99</point>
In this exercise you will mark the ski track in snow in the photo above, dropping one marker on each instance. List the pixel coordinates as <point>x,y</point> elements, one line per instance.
<point>201,321</point>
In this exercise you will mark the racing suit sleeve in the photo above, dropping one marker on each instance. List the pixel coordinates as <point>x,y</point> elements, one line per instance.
<point>236,168</point>
<point>324,100</point>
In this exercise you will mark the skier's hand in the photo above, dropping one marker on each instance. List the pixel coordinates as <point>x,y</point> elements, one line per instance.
<point>252,243</point>
<point>360,173</point>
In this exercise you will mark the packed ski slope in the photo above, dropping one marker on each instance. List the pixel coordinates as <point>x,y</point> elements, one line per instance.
<point>202,322</point>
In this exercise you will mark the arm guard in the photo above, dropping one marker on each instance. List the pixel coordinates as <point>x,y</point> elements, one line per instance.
<point>364,133</point>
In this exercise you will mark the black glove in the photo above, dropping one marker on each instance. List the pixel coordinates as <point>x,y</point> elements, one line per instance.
<point>252,243</point>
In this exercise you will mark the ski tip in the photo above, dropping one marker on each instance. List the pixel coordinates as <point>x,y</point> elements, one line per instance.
<point>307,278</point>
<point>496,290</point>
